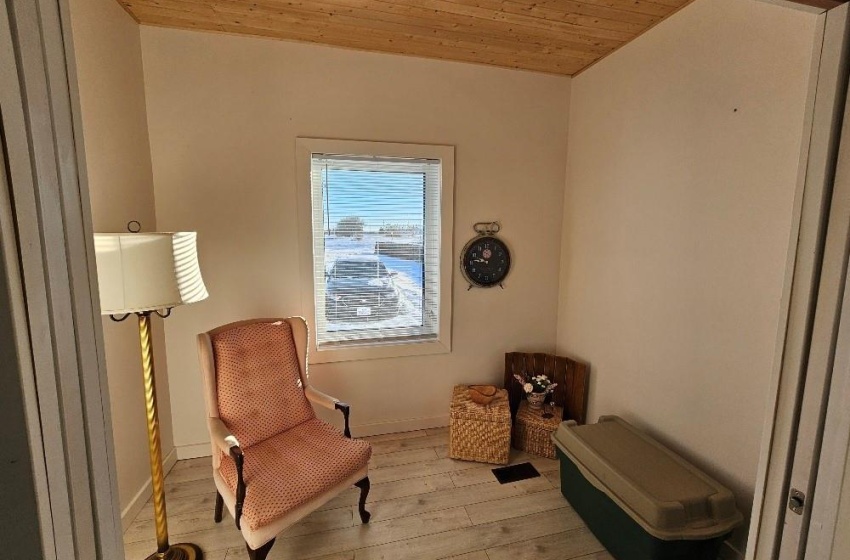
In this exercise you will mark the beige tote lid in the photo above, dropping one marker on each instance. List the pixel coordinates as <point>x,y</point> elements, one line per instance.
<point>670,498</point>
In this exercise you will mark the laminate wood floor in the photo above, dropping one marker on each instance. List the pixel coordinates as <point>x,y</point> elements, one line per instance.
<point>424,507</point>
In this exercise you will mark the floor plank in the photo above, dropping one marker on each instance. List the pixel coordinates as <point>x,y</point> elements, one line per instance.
<point>456,497</point>
<point>444,431</point>
<point>574,544</point>
<point>403,458</point>
<point>479,474</point>
<point>424,506</point>
<point>478,555</point>
<point>396,436</point>
<point>474,538</point>
<point>373,534</point>
<point>192,463</point>
<point>201,471</point>
<point>516,506</point>
<point>391,446</point>
<point>416,470</point>
<point>188,504</point>
<point>392,490</point>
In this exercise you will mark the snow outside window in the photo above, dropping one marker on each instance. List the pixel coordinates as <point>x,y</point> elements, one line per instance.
<point>377,243</point>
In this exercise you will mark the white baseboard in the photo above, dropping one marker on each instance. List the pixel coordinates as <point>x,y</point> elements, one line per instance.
<point>145,492</point>
<point>194,450</point>
<point>397,426</point>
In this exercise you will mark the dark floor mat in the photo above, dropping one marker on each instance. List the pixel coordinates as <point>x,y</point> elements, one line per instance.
<point>515,473</point>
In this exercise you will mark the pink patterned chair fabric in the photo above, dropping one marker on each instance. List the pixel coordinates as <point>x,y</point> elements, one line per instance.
<point>258,381</point>
<point>287,470</point>
<point>259,403</point>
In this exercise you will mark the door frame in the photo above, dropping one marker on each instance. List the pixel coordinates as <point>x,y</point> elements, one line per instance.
<point>804,281</point>
<point>58,317</point>
<point>47,243</point>
<point>830,476</point>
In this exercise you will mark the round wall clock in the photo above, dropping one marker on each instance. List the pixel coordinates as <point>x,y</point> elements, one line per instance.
<point>485,260</point>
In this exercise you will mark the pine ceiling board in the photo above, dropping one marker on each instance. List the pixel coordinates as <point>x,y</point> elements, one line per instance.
<point>637,6</point>
<point>358,18</point>
<point>348,26</point>
<point>343,28</point>
<point>471,9</point>
<point>822,4</point>
<point>531,10</point>
<point>482,30</point>
<point>588,9</point>
<point>409,49</point>
<point>553,36</point>
<point>426,18</point>
<point>263,26</point>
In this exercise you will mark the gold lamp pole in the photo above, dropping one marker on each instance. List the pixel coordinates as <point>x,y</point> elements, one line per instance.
<point>140,274</point>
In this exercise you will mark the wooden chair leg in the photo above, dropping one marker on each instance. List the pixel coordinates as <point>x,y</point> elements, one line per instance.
<point>364,486</point>
<point>219,507</point>
<point>260,553</point>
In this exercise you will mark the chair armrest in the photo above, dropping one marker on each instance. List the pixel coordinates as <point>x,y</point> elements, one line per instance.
<point>318,397</point>
<point>330,403</point>
<point>221,436</point>
<point>239,459</point>
<point>228,443</point>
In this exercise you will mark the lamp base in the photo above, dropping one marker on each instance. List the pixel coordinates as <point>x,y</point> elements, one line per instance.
<point>181,551</point>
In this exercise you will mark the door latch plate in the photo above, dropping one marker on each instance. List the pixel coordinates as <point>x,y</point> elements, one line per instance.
<point>797,501</point>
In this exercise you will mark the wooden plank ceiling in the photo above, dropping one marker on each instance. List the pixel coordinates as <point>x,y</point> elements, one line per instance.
<point>553,36</point>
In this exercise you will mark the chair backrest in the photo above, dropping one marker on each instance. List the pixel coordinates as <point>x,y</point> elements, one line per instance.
<point>255,374</point>
<point>571,376</point>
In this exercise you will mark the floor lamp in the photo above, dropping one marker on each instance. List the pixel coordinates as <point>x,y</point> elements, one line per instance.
<point>141,274</point>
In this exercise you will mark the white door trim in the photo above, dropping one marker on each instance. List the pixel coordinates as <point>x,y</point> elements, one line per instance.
<point>59,322</point>
<point>826,498</point>
<point>828,86</point>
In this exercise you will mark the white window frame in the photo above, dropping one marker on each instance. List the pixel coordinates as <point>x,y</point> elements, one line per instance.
<point>304,150</point>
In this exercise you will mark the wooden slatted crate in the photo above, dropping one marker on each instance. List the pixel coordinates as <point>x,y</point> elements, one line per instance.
<point>571,376</point>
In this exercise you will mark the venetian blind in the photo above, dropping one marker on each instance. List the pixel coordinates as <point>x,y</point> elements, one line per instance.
<point>376,248</point>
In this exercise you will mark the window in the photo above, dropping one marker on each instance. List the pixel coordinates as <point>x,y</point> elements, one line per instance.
<point>378,249</point>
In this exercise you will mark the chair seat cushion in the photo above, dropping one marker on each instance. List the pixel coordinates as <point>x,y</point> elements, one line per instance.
<point>294,467</point>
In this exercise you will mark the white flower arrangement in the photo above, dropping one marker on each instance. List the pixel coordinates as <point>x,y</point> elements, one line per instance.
<point>536,383</point>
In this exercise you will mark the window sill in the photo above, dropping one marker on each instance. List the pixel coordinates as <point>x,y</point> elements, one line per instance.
<point>379,351</point>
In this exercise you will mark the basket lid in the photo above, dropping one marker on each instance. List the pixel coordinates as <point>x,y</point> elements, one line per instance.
<point>670,498</point>
<point>464,408</point>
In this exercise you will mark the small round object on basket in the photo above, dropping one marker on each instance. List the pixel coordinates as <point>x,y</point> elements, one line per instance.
<point>482,394</point>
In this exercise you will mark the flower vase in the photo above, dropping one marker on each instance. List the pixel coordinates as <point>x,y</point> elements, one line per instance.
<point>535,400</point>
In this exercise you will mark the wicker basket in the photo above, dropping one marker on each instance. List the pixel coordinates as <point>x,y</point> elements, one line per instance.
<point>479,433</point>
<point>532,432</point>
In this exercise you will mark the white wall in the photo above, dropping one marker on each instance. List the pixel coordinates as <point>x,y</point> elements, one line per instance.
<point>682,166</point>
<point>223,114</point>
<point>109,63</point>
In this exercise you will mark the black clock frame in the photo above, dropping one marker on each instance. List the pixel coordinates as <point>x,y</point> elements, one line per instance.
<point>473,283</point>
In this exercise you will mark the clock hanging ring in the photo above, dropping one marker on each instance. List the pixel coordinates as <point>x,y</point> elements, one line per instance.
<point>485,260</point>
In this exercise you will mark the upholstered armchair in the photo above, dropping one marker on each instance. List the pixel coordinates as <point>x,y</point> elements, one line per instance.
<point>273,461</point>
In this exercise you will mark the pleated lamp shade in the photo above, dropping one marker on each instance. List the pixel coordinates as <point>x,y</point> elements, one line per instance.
<point>146,271</point>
